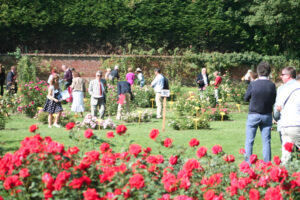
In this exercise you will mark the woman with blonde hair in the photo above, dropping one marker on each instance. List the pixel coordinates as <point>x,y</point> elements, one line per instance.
<point>78,90</point>
<point>53,103</point>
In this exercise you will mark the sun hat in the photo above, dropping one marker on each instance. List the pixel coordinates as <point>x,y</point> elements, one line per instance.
<point>138,69</point>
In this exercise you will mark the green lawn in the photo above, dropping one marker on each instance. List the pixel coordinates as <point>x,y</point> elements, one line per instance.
<point>229,134</point>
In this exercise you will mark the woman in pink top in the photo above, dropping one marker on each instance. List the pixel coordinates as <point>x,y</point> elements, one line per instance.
<point>130,76</point>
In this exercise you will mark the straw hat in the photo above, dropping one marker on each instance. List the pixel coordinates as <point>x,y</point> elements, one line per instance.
<point>138,69</point>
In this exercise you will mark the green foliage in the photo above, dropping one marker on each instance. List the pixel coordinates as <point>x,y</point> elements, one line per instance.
<point>65,118</point>
<point>143,96</point>
<point>26,69</point>
<point>186,123</point>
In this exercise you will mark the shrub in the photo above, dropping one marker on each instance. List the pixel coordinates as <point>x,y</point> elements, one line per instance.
<point>142,116</point>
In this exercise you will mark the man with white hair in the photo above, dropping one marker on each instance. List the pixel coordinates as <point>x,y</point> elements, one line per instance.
<point>202,80</point>
<point>115,74</point>
<point>97,92</point>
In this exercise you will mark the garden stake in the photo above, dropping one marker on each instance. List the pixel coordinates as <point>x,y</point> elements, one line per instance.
<point>197,109</point>
<point>222,115</point>
<point>171,104</point>
<point>196,123</point>
<point>152,100</point>
<point>190,92</point>
<point>164,114</point>
<point>238,106</point>
<point>140,115</point>
<point>99,121</point>
<point>172,93</point>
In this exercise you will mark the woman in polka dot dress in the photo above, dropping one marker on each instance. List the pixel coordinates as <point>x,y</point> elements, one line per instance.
<point>53,103</point>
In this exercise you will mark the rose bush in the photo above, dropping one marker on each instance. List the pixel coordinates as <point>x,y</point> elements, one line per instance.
<point>45,169</point>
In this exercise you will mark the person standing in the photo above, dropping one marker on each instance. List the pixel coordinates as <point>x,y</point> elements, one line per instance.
<point>125,95</point>
<point>107,74</point>
<point>11,80</point>
<point>288,103</point>
<point>2,79</point>
<point>288,75</point>
<point>130,76</point>
<point>78,90</point>
<point>115,74</point>
<point>261,94</point>
<point>51,75</point>
<point>97,92</point>
<point>140,77</point>
<point>68,77</point>
<point>158,85</point>
<point>218,81</point>
<point>249,77</point>
<point>202,80</point>
<point>53,103</point>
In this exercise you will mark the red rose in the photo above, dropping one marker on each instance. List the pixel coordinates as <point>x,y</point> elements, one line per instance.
<point>70,125</point>
<point>137,181</point>
<point>173,160</point>
<point>191,164</point>
<point>110,134</point>
<point>76,183</point>
<point>88,133</point>
<point>11,182</point>
<point>153,134</point>
<point>33,128</point>
<point>121,129</point>
<point>242,151</point>
<point>253,158</point>
<point>201,152</point>
<point>168,142</point>
<point>273,193</point>
<point>216,149</point>
<point>254,194</point>
<point>24,173</point>
<point>104,147</point>
<point>194,142</point>
<point>91,194</point>
<point>209,195</point>
<point>289,146</point>
<point>277,160</point>
<point>242,198</point>
<point>229,158</point>
<point>135,149</point>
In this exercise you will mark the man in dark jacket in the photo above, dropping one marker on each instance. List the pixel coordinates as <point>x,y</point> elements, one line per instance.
<point>262,94</point>
<point>11,80</point>
<point>124,94</point>
<point>202,80</point>
<point>114,74</point>
<point>2,79</point>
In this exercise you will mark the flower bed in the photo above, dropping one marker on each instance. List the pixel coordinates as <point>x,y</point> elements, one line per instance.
<point>43,168</point>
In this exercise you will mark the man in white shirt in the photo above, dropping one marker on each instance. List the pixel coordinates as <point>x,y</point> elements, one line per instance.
<point>97,92</point>
<point>289,106</point>
<point>158,85</point>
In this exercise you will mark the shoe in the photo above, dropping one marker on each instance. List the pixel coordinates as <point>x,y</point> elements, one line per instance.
<point>49,126</point>
<point>158,117</point>
<point>56,125</point>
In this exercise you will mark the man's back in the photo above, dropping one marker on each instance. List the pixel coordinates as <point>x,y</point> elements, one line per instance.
<point>262,94</point>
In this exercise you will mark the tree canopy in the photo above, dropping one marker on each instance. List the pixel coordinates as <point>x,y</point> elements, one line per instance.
<point>108,26</point>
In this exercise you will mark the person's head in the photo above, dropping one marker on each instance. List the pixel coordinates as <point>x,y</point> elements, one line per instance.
<point>64,67</point>
<point>116,67</point>
<point>287,74</point>
<point>13,69</point>
<point>138,70</point>
<point>156,71</point>
<point>72,69</point>
<point>75,74</point>
<point>129,69</point>
<point>216,73</point>
<point>203,70</point>
<point>108,70</point>
<point>99,74</point>
<point>53,71</point>
<point>263,69</point>
<point>54,80</point>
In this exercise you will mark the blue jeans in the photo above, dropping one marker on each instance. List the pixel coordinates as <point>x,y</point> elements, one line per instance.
<point>264,122</point>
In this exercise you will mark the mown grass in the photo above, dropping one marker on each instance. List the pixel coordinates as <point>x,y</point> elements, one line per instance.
<point>229,134</point>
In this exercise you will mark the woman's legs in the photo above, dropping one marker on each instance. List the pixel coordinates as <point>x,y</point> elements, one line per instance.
<point>50,119</point>
<point>57,118</point>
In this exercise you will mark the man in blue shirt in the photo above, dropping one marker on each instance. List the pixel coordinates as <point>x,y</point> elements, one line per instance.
<point>158,85</point>
<point>262,94</point>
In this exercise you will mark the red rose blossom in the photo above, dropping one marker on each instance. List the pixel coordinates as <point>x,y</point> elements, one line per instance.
<point>121,129</point>
<point>11,182</point>
<point>229,158</point>
<point>194,142</point>
<point>110,134</point>
<point>91,194</point>
<point>201,152</point>
<point>242,151</point>
<point>135,149</point>
<point>168,142</point>
<point>216,149</point>
<point>253,158</point>
<point>173,160</point>
<point>88,133</point>
<point>277,160</point>
<point>70,125</point>
<point>137,181</point>
<point>254,194</point>
<point>153,134</point>
<point>289,146</point>
<point>104,147</point>
<point>33,128</point>
<point>24,173</point>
